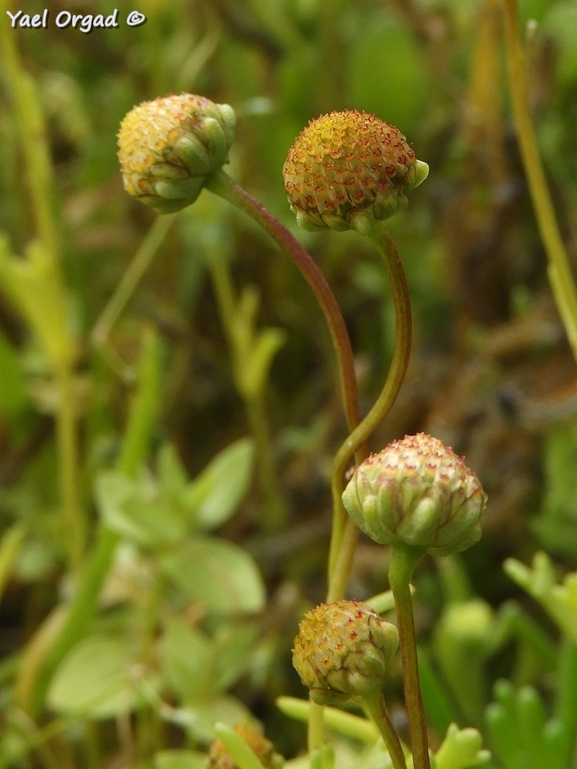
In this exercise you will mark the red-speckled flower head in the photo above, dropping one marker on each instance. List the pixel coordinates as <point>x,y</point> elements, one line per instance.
<point>168,147</point>
<point>418,492</point>
<point>347,169</point>
<point>220,758</point>
<point>342,650</point>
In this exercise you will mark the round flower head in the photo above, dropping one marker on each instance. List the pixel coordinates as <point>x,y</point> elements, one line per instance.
<point>167,148</point>
<point>347,169</point>
<point>418,492</point>
<point>220,758</point>
<point>342,650</point>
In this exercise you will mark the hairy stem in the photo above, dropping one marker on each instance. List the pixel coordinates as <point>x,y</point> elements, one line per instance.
<point>403,561</point>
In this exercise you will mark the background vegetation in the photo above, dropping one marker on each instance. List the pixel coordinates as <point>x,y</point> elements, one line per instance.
<point>207,413</point>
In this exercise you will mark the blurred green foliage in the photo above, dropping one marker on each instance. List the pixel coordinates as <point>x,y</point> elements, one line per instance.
<point>201,599</point>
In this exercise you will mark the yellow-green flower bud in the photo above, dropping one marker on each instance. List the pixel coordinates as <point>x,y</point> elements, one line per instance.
<point>347,169</point>
<point>168,147</point>
<point>417,492</point>
<point>342,650</point>
<point>220,758</point>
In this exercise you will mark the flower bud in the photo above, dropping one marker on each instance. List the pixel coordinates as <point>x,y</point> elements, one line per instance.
<point>348,169</point>
<point>417,492</point>
<point>342,650</point>
<point>220,758</point>
<point>168,147</point>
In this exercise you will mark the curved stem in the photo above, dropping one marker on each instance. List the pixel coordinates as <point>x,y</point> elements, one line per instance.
<point>560,274</point>
<point>375,707</point>
<point>403,561</point>
<point>342,524</point>
<point>222,185</point>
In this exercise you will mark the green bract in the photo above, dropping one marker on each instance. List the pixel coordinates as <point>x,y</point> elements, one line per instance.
<point>342,650</point>
<point>168,147</point>
<point>417,492</point>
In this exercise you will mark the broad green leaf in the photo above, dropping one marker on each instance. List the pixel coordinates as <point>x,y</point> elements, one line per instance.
<point>171,474</point>
<point>188,661</point>
<point>225,709</point>
<point>95,680</point>
<point>216,493</point>
<point>233,646</point>
<point>217,573</point>
<point>179,759</point>
<point>134,510</point>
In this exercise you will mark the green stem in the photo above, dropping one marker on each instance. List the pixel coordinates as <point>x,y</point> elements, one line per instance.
<point>67,448</point>
<point>222,185</point>
<point>344,561</point>
<point>130,279</point>
<point>559,270</point>
<point>276,510</point>
<point>316,730</point>
<point>375,706</point>
<point>32,134</point>
<point>403,561</point>
<point>566,700</point>
<point>400,360</point>
<point>134,447</point>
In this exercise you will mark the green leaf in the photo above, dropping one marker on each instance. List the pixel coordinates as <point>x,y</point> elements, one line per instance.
<point>560,601</point>
<point>95,680</point>
<point>243,755</point>
<point>35,284</point>
<point>203,716</point>
<point>134,510</point>
<point>188,661</point>
<point>233,647</point>
<point>179,759</point>
<point>217,573</point>
<point>172,476</point>
<point>461,749</point>
<point>390,49</point>
<point>259,359</point>
<point>556,523</point>
<point>216,493</point>
<point>352,726</point>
